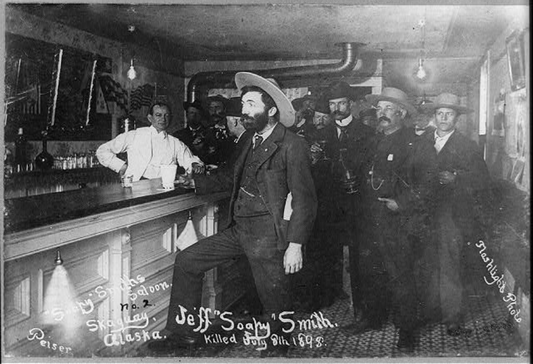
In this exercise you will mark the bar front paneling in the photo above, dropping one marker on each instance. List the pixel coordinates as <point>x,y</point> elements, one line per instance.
<point>107,291</point>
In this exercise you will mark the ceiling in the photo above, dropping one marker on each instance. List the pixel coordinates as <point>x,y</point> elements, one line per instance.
<point>455,40</point>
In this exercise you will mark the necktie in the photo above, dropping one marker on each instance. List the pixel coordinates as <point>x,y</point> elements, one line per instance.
<point>343,135</point>
<point>257,141</point>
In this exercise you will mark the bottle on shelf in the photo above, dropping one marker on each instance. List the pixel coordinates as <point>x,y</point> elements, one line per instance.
<point>44,160</point>
<point>21,150</point>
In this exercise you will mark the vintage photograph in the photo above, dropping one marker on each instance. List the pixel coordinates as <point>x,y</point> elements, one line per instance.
<point>283,181</point>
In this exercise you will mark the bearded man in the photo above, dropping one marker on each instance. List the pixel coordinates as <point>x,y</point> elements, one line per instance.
<point>273,164</point>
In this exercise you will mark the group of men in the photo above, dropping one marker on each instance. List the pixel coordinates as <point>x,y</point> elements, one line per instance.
<point>389,192</point>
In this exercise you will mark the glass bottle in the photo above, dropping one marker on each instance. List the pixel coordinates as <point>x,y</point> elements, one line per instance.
<point>44,160</point>
<point>21,147</point>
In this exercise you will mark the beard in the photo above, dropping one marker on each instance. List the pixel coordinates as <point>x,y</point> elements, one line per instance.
<point>255,123</point>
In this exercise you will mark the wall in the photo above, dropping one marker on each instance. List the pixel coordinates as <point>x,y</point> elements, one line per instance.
<point>165,72</point>
<point>508,159</point>
<point>508,154</point>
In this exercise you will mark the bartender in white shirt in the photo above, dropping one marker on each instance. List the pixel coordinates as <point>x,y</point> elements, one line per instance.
<point>148,148</point>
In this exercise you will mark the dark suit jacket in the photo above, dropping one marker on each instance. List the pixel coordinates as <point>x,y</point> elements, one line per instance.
<point>221,179</point>
<point>403,168</point>
<point>187,137</point>
<point>283,167</point>
<point>336,205</point>
<point>468,192</point>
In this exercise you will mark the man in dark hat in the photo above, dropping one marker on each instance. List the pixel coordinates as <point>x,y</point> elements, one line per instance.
<point>216,107</point>
<point>463,182</point>
<point>194,133</point>
<point>220,140</point>
<point>336,177</point>
<point>400,178</point>
<point>368,117</point>
<point>421,123</point>
<point>272,168</point>
<point>305,109</point>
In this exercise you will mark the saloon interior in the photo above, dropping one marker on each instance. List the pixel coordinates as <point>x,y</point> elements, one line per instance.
<point>75,250</point>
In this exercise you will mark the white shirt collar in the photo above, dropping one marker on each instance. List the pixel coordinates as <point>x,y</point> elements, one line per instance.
<point>267,133</point>
<point>239,137</point>
<point>444,138</point>
<point>155,133</point>
<point>344,122</point>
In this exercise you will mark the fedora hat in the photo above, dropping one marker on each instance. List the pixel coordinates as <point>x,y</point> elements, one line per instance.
<point>234,107</point>
<point>196,104</point>
<point>394,95</point>
<point>339,90</point>
<point>287,114</point>
<point>449,101</point>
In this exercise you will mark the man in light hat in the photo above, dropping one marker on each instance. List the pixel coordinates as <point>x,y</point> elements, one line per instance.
<point>274,164</point>
<point>463,178</point>
<point>400,177</point>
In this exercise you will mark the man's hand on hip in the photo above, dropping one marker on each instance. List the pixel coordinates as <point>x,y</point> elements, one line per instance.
<point>293,259</point>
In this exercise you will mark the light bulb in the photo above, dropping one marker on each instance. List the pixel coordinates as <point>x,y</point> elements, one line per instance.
<point>132,74</point>
<point>421,74</point>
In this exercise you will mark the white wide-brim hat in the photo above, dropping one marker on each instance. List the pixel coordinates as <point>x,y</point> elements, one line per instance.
<point>394,95</point>
<point>449,101</point>
<point>287,115</point>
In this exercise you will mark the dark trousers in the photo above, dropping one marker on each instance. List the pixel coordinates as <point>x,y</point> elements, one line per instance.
<point>256,238</point>
<point>398,258</point>
<point>387,261</point>
<point>368,276</point>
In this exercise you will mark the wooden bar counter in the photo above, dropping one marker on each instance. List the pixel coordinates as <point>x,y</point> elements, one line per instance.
<point>117,247</point>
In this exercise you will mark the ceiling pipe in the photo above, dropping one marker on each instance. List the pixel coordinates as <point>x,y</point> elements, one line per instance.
<point>215,78</point>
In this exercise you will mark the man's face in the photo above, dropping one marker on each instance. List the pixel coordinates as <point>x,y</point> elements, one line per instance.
<point>320,120</point>
<point>340,108</point>
<point>160,118</point>
<point>309,104</point>
<point>445,119</point>
<point>217,111</point>
<point>421,120</point>
<point>389,116</point>
<point>233,122</point>
<point>254,113</point>
<point>194,117</point>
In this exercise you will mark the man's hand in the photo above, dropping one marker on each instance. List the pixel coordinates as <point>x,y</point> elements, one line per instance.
<point>198,168</point>
<point>122,170</point>
<point>446,177</point>
<point>390,203</point>
<point>315,148</point>
<point>293,260</point>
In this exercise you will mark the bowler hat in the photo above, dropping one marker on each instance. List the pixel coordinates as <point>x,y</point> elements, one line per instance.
<point>196,104</point>
<point>322,106</point>
<point>394,95</point>
<point>339,90</point>
<point>218,98</point>
<point>234,107</point>
<point>286,111</point>
<point>449,101</point>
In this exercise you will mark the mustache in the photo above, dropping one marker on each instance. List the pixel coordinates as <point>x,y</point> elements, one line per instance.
<point>384,118</point>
